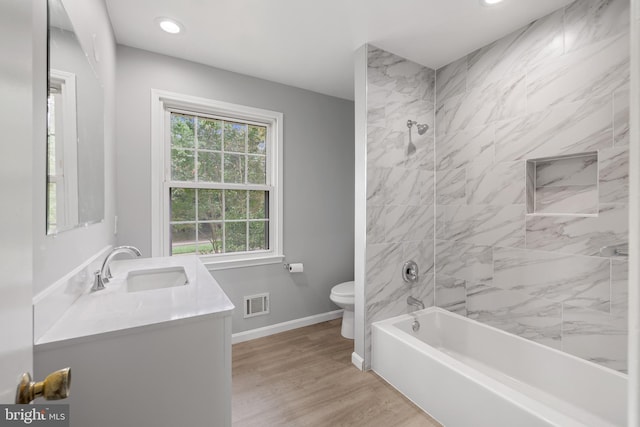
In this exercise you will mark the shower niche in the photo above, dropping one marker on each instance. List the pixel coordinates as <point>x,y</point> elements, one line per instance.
<point>563,185</point>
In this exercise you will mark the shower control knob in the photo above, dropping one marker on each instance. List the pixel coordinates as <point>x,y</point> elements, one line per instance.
<point>410,272</point>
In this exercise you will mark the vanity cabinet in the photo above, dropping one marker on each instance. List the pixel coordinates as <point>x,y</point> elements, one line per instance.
<point>158,358</point>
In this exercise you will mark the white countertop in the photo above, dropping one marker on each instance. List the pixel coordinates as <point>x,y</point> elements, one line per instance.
<point>115,309</point>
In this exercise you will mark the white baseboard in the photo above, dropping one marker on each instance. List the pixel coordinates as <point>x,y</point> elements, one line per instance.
<point>284,326</point>
<point>357,361</point>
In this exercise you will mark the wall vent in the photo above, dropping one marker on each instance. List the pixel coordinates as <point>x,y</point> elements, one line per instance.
<point>256,305</point>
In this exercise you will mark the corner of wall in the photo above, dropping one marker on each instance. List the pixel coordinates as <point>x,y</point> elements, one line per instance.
<point>360,220</point>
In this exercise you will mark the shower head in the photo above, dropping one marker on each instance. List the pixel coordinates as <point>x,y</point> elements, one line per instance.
<point>421,128</point>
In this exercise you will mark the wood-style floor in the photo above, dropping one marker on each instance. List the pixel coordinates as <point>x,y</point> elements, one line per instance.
<point>304,377</point>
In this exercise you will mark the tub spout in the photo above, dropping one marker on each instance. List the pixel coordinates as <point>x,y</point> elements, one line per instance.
<point>415,302</point>
<point>621,249</point>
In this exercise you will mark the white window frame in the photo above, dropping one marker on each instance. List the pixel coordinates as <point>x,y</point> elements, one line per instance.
<point>66,174</point>
<point>162,102</point>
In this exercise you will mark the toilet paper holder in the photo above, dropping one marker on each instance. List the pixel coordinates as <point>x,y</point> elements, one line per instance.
<point>294,267</point>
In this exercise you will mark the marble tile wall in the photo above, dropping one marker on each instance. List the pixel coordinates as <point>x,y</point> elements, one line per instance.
<point>400,185</point>
<point>556,87</point>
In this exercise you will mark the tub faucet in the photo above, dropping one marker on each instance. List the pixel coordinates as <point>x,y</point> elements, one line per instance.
<point>415,302</point>
<point>103,275</point>
<point>621,249</point>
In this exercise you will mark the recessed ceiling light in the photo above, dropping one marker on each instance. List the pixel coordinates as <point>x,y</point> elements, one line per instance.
<point>169,25</point>
<point>490,2</point>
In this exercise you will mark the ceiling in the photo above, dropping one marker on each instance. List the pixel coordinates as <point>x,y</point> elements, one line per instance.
<point>310,44</point>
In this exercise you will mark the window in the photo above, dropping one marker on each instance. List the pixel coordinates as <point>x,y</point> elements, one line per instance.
<point>217,180</point>
<point>62,152</point>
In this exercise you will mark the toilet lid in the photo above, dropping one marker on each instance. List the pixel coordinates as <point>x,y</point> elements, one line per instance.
<point>343,289</point>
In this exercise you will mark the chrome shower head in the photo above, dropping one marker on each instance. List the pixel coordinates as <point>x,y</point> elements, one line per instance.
<point>421,128</point>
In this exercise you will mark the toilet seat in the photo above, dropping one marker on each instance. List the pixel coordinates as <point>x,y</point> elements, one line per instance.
<point>343,290</point>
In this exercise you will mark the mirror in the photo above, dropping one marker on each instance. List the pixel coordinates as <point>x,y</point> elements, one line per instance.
<point>75,130</point>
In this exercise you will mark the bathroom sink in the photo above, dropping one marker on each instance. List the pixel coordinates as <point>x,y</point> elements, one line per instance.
<point>156,278</point>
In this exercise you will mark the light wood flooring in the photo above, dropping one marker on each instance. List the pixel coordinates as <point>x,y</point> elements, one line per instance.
<point>304,377</point>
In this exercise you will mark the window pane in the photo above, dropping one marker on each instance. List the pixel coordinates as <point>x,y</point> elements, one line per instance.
<point>51,205</point>
<point>182,165</point>
<point>234,137</point>
<point>257,139</point>
<point>258,204</point>
<point>258,236</point>
<point>209,166</point>
<point>51,154</point>
<point>257,169</point>
<point>210,205</point>
<point>210,238</point>
<point>183,239</point>
<point>209,134</point>
<point>182,131</point>
<point>183,204</point>
<point>236,236</point>
<point>234,168</point>
<point>235,204</point>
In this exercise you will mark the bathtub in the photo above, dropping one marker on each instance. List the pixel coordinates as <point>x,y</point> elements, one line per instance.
<point>464,373</point>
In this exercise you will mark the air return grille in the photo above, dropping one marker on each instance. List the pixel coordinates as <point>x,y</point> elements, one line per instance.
<point>256,305</point>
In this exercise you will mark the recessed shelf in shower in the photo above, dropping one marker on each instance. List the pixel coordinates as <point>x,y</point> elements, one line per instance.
<point>563,185</point>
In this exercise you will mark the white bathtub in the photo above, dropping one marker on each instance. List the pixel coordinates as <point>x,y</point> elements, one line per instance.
<point>467,374</point>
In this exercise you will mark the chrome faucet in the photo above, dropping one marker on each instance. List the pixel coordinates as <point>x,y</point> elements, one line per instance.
<point>103,275</point>
<point>415,302</point>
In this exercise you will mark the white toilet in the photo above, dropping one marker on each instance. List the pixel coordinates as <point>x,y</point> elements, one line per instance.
<point>342,295</point>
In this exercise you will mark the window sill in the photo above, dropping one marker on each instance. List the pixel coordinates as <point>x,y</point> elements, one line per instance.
<point>213,264</point>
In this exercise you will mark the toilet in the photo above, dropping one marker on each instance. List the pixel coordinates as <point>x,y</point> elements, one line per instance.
<point>342,295</point>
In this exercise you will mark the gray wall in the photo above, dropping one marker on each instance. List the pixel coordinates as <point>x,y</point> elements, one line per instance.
<point>17,34</point>
<point>400,204</point>
<point>318,178</point>
<point>555,87</point>
<point>55,256</point>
